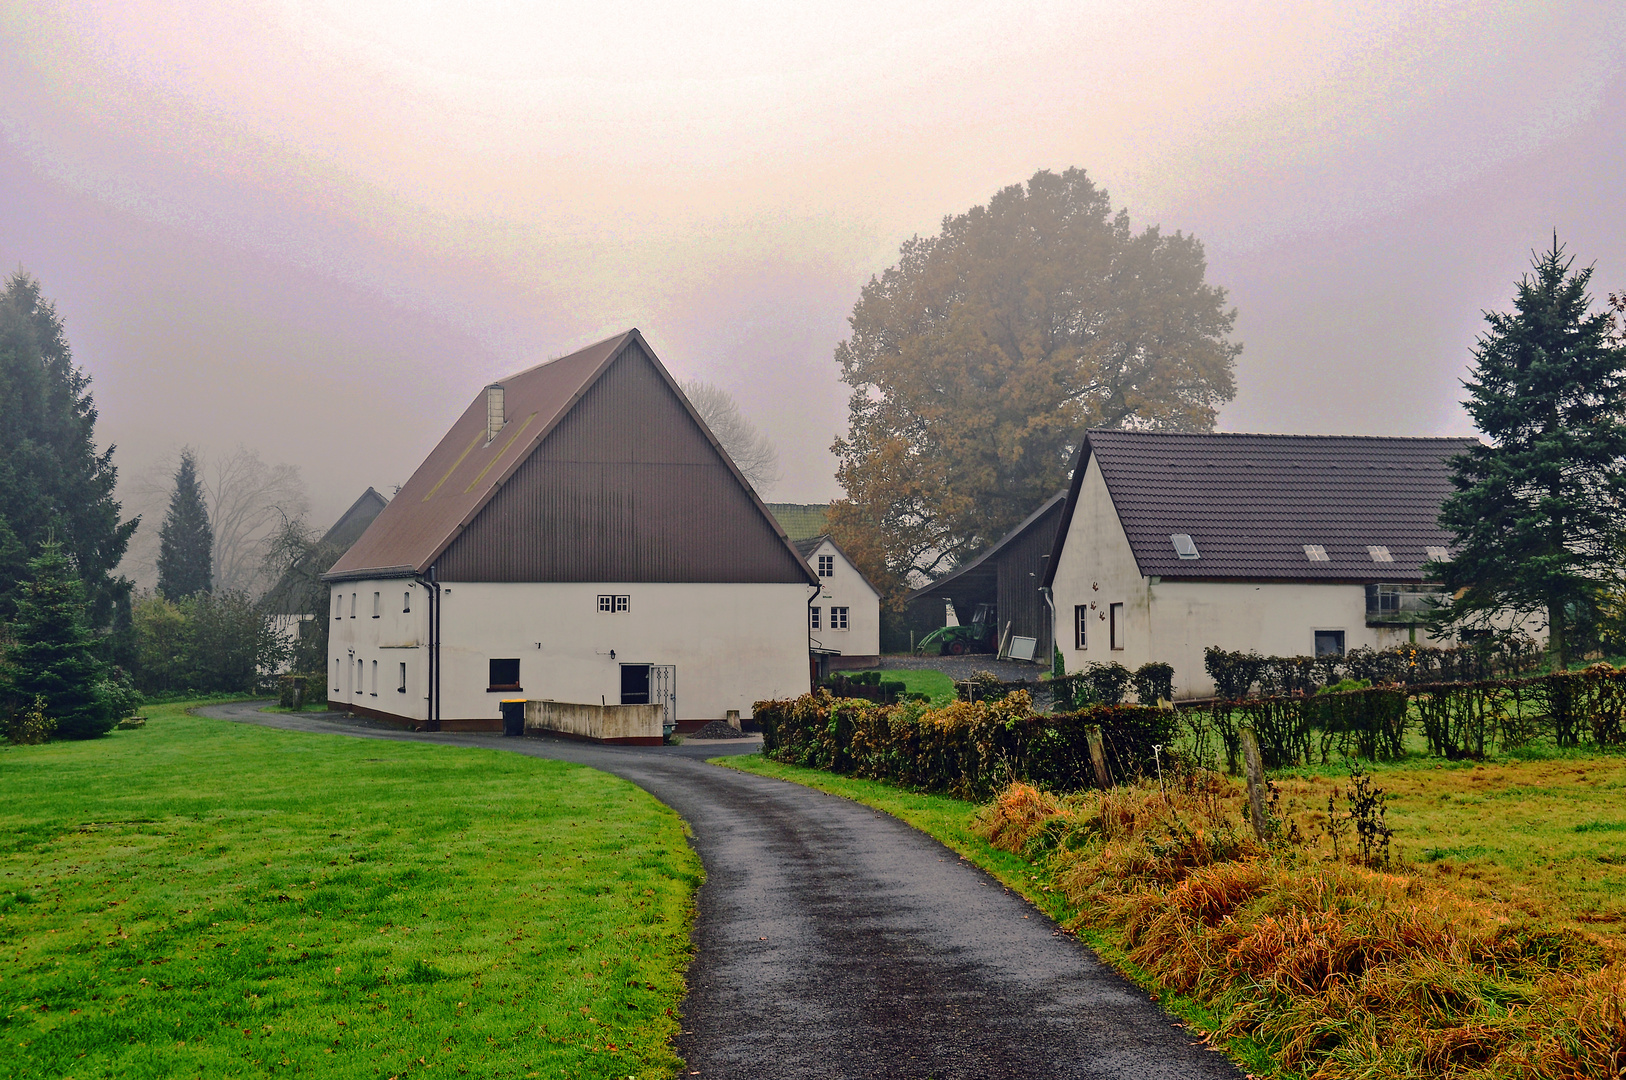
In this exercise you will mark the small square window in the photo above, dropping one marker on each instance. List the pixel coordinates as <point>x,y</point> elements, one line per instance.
<point>1115,626</point>
<point>1316,553</point>
<point>623,603</point>
<point>1081,626</point>
<point>1329,643</point>
<point>838,618</point>
<point>812,618</point>
<point>504,675</point>
<point>606,603</point>
<point>827,566</point>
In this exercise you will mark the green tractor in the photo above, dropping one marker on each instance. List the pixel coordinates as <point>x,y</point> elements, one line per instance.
<point>976,636</point>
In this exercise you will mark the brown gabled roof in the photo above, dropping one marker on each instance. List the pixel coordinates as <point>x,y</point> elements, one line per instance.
<point>462,473</point>
<point>1251,503</point>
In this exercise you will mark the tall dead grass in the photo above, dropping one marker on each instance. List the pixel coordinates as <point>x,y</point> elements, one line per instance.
<point>1348,972</point>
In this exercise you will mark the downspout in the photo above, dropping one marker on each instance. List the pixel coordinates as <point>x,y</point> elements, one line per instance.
<point>432,586</point>
<point>812,679</point>
<point>1050,603</point>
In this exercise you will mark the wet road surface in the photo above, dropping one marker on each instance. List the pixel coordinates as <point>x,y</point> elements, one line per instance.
<point>836,941</point>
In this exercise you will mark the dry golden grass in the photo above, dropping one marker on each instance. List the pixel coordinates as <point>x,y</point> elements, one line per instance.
<point>1349,971</point>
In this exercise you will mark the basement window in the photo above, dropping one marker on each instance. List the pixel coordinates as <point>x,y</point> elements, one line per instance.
<point>1316,553</point>
<point>1183,546</point>
<point>504,676</point>
<point>1380,554</point>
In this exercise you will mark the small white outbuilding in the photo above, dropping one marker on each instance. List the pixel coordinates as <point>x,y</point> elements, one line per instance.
<point>844,620</point>
<point>578,536</point>
<point>1286,545</point>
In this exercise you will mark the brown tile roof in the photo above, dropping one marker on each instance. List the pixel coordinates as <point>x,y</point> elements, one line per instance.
<point>462,473</point>
<point>1251,503</point>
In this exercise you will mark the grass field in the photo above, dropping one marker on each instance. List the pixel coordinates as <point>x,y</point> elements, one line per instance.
<point>936,685</point>
<point>200,898</point>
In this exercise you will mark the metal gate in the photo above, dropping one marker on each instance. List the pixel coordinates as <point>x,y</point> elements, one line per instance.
<point>663,692</point>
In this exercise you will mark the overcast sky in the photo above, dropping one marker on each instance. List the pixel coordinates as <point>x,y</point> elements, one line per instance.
<point>317,227</point>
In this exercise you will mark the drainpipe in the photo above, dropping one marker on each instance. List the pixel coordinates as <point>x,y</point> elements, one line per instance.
<point>1050,602</point>
<point>812,679</point>
<point>432,587</point>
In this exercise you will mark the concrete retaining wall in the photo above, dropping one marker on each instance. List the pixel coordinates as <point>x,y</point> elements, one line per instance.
<point>638,725</point>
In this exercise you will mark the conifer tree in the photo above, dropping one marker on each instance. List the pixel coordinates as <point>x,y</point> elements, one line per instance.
<point>1537,510</point>
<point>186,540</point>
<point>54,482</point>
<point>53,655</point>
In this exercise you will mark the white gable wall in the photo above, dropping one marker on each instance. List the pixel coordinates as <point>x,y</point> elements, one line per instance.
<point>860,643</point>
<point>733,644</point>
<point>1175,621</point>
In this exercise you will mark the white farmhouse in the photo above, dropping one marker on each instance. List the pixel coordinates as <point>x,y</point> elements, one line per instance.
<point>844,620</point>
<point>1288,545</point>
<point>577,536</point>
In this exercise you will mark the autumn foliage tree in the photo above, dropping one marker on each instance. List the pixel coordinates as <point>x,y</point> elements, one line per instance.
<point>977,362</point>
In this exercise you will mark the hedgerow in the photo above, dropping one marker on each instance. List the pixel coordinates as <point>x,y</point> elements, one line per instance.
<point>969,748</point>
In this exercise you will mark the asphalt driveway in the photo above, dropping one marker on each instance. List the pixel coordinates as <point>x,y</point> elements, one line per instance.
<point>835,941</point>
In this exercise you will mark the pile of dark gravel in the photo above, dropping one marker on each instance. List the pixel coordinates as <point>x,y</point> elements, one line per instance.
<point>717,729</point>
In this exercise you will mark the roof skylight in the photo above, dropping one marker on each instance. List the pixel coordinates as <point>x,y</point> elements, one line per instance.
<point>1439,554</point>
<point>1316,553</point>
<point>1183,546</point>
<point>1380,554</point>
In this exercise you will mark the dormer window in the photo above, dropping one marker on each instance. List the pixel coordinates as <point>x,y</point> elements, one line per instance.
<point>1183,546</point>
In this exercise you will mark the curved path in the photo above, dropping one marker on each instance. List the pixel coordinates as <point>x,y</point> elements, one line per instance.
<point>835,941</point>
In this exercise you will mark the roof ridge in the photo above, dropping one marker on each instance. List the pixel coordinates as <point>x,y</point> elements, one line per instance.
<point>1274,435</point>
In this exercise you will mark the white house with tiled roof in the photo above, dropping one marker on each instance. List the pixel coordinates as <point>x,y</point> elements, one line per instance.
<point>1285,545</point>
<point>844,620</point>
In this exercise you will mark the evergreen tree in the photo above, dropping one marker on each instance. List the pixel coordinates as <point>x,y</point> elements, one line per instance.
<point>53,482</point>
<point>186,540</point>
<point>1537,511</point>
<point>53,655</point>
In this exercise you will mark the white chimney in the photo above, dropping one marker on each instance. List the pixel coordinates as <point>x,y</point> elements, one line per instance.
<point>494,413</point>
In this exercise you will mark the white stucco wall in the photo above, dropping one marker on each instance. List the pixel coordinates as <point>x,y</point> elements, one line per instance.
<point>1175,621</point>
<point>732,644</point>
<point>846,588</point>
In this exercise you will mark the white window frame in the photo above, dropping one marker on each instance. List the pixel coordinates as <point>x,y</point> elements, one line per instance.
<point>1081,626</point>
<point>813,618</point>
<point>361,673</point>
<point>614,604</point>
<point>1115,628</point>
<point>827,566</point>
<point>838,618</point>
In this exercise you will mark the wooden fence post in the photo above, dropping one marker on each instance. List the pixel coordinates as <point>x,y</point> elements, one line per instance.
<point>1098,756</point>
<point>1256,781</point>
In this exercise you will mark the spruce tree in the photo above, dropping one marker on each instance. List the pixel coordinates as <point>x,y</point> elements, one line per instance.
<point>53,480</point>
<point>1537,510</point>
<point>53,654</point>
<point>186,540</point>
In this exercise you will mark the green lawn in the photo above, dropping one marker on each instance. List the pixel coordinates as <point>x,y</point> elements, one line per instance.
<point>934,684</point>
<point>210,899</point>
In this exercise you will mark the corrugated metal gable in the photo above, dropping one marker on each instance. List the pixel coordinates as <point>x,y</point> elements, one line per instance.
<point>628,487</point>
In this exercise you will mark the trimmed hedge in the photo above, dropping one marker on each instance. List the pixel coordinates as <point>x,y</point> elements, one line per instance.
<point>969,749</point>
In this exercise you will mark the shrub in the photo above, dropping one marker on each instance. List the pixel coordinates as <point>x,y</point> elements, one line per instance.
<point>29,724</point>
<point>1154,682</point>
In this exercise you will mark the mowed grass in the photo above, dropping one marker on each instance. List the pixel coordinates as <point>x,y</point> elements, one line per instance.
<point>201,898</point>
<point>936,685</point>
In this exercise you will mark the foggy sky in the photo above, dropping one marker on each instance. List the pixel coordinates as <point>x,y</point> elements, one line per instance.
<point>318,228</point>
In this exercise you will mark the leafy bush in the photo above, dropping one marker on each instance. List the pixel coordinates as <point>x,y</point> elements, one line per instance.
<point>30,724</point>
<point>219,642</point>
<point>1154,682</point>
